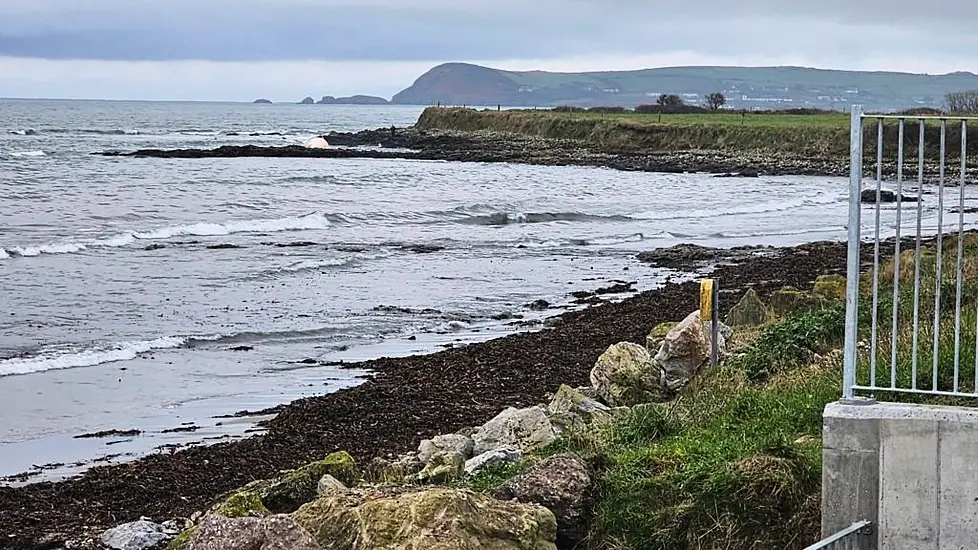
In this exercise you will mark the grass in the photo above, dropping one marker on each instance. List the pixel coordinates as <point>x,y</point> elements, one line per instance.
<point>914,366</point>
<point>822,136</point>
<point>735,462</point>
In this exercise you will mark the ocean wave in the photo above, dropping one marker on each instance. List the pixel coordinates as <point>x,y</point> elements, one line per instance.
<point>311,265</point>
<point>21,154</point>
<point>765,207</point>
<point>25,132</point>
<point>3,254</point>
<point>92,131</point>
<point>506,218</point>
<point>74,358</point>
<point>274,225</point>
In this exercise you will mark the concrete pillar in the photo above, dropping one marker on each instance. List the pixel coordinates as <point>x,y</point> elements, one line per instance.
<point>910,469</point>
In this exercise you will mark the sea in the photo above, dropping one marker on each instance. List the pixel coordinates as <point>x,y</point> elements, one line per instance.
<point>165,295</point>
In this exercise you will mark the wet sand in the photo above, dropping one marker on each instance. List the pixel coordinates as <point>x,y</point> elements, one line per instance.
<point>409,398</point>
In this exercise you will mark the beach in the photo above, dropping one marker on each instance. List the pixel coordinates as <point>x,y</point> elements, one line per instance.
<point>407,399</point>
<point>196,304</point>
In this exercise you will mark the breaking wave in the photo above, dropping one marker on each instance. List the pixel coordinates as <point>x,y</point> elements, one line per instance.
<point>308,222</point>
<point>68,358</point>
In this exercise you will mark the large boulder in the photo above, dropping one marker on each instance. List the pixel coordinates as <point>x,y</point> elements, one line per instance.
<point>437,519</point>
<point>502,455</point>
<point>381,470</point>
<point>329,485</point>
<point>138,535</point>
<point>456,443</point>
<point>658,333</point>
<point>750,311</point>
<point>443,467</point>
<point>624,375</point>
<point>571,410</point>
<point>686,350</point>
<point>563,485</point>
<point>527,429</point>
<point>294,488</point>
<point>271,533</point>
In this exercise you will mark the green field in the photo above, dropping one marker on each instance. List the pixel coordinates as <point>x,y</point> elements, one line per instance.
<point>835,120</point>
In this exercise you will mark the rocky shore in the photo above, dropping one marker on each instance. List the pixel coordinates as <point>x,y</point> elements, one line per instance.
<point>408,399</point>
<point>482,146</point>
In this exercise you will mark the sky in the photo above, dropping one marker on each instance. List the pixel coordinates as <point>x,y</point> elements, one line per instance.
<point>285,50</point>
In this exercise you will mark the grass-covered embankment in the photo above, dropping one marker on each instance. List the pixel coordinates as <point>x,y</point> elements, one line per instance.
<point>735,462</point>
<point>822,136</point>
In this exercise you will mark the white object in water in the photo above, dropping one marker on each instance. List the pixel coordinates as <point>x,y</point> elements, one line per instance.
<point>316,143</point>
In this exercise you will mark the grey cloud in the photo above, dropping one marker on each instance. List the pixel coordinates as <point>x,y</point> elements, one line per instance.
<point>262,30</point>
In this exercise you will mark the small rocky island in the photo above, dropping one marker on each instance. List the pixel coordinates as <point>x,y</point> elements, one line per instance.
<point>263,101</point>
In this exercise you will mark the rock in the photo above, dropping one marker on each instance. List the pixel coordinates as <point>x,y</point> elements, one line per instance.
<point>263,101</point>
<point>654,340</point>
<point>138,535</point>
<point>380,470</point>
<point>527,429</point>
<point>297,487</point>
<point>679,256</point>
<point>750,311</point>
<point>563,485</point>
<point>316,143</point>
<point>271,533</point>
<point>686,349</point>
<point>329,485</point>
<point>790,300</point>
<point>241,504</point>
<point>458,443</point>
<point>539,305</point>
<point>830,287</point>
<point>508,453</point>
<point>308,101</point>
<point>868,196</point>
<point>571,410</point>
<point>436,519</point>
<point>625,375</point>
<point>443,467</point>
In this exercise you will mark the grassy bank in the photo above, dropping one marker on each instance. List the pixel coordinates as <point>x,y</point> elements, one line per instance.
<point>814,135</point>
<point>735,462</point>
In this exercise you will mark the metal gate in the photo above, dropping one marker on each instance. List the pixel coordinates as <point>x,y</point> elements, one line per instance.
<point>918,329</point>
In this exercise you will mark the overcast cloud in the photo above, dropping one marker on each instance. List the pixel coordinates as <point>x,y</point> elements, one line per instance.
<point>287,49</point>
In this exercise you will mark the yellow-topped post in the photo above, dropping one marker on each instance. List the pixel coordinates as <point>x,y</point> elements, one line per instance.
<point>709,301</point>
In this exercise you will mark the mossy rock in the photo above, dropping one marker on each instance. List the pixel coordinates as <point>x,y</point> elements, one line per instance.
<point>241,504</point>
<point>294,488</point>
<point>831,288</point>
<point>750,311</point>
<point>441,518</point>
<point>790,300</point>
<point>183,539</point>
<point>654,340</point>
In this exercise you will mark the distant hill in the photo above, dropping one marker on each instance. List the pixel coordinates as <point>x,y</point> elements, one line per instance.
<point>744,87</point>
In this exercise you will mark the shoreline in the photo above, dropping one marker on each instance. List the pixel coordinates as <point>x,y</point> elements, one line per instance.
<point>416,143</point>
<point>407,398</point>
<point>70,455</point>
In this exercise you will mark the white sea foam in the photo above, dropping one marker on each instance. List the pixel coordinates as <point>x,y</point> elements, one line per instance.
<point>27,153</point>
<point>307,222</point>
<point>3,254</point>
<point>74,358</point>
<point>308,265</point>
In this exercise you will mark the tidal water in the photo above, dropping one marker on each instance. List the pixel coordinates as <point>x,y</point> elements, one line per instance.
<point>155,293</point>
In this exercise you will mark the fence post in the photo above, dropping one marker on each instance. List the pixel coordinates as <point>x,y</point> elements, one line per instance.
<point>852,271</point>
<point>709,303</point>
